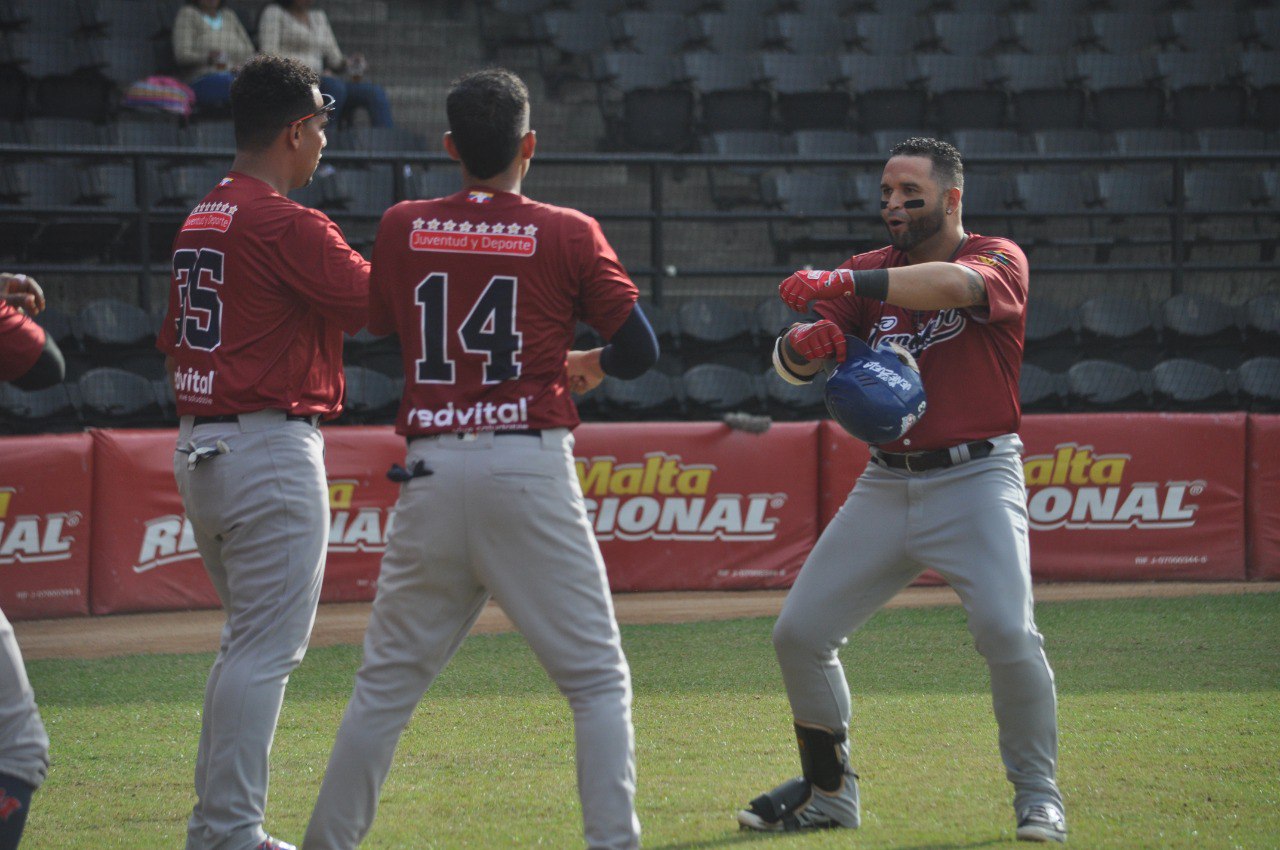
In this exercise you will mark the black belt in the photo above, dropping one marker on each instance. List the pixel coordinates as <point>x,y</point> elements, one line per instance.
<point>939,459</point>
<point>471,435</point>
<point>235,417</point>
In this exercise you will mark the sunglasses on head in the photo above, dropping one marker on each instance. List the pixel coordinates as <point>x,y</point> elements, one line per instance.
<point>325,107</point>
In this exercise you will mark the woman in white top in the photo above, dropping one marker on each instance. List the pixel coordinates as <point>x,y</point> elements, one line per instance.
<point>292,28</point>
<point>209,42</point>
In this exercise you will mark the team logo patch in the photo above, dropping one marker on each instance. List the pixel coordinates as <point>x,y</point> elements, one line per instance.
<point>997,257</point>
<point>211,216</point>
<point>453,237</point>
<point>226,181</point>
<point>475,196</point>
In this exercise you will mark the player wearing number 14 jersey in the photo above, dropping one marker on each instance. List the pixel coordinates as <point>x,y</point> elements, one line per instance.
<point>484,289</point>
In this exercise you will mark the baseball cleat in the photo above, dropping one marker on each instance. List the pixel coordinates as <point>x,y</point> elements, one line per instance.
<point>1042,822</point>
<point>275,844</point>
<point>795,805</point>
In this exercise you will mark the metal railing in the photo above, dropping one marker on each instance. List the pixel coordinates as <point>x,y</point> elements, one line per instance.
<point>659,213</point>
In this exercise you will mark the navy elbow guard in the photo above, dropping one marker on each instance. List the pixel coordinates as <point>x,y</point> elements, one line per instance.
<point>633,349</point>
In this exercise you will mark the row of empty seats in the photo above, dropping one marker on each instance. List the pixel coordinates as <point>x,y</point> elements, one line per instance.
<point>1175,385</point>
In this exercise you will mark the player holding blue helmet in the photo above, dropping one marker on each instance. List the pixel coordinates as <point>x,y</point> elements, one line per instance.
<point>945,491</point>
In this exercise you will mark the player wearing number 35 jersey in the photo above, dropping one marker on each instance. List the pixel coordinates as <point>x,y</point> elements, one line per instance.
<point>484,289</point>
<point>261,293</point>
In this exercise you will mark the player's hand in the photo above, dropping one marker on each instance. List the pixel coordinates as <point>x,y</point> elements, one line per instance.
<point>18,290</point>
<point>805,286</point>
<point>584,370</point>
<point>818,340</point>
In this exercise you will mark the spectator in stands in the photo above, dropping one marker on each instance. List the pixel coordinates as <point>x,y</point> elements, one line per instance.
<point>28,356</point>
<point>209,43</point>
<point>294,29</point>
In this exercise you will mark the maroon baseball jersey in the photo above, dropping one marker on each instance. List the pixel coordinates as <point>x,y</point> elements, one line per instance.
<point>485,290</point>
<point>262,290</point>
<point>970,359</point>
<point>21,341</point>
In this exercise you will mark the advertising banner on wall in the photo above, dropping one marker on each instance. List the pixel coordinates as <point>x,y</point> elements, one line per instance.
<point>698,505</point>
<point>1262,521</point>
<point>45,525</point>
<point>146,559</point>
<point>1114,497</point>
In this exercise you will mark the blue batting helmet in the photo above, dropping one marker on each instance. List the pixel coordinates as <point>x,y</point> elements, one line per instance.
<point>875,394</point>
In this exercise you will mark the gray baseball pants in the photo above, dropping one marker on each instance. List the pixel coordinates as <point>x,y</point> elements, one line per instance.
<point>968,522</point>
<point>260,514</point>
<point>24,746</point>
<point>502,515</point>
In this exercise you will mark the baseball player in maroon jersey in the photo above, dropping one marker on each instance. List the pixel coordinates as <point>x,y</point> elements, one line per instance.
<point>949,495</point>
<point>484,288</point>
<point>261,293</point>
<point>29,358</point>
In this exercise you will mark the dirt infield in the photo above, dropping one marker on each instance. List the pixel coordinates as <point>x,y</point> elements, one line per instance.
<point>197,631</point>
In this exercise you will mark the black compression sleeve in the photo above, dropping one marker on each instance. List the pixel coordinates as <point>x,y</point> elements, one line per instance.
<point>632,350</point>
<point>48,370</point>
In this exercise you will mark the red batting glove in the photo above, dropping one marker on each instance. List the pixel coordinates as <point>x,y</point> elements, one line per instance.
<point>817,341</point>
<point>805,286</point>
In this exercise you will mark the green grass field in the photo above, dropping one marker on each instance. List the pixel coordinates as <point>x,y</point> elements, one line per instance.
<point>1169,714</point>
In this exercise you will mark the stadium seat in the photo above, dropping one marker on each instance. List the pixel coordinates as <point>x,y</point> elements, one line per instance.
<point>211,135</point>
<point>711,390</point>
<point>809,91</point>
<point>1262,76</point>
<point>1140,203</point>
<point>143,133</point>
<point>1209,191</point>
<point>809,35</point>
<point>1152,140</point>
<point>655,33</point>
<point>987,142</point>
<point>1203,90</point>
<point>651,396</point>
<point>61,132</point>
<point>1051,336</point>
<point>969,33</point>
<point>126,19</point>
<point>892,35</point>
<point>128,61</point>
<point>1050,192</point>
<point>1069,141</point>
<point>60,326</point>
<point>644,103</point>
<point>1215,32</point>
<point>83,94</point>
<point>1128,33</point>
<point>110,325</point>
<point>1190,385</point>
<point>1122,89</point>
<point>710,327</point>
<point>730,93</point>
<point>1264,29</point>
<point>1115,327</point>
<point>964,91</point>
<point>829,143</point>
<point>730,33</point>
<point>371,397</point>
<point>787,401</point>
<point>571,36</point>
<point>1043,33</point>
<point>734,185</point>
<point>1228,139</point>
<point>1040,93</point>
<point>437,181</point>
<point>1100,385</point>
<point>1202,328</point>
<point>807,196</point>
<point>1262,325</point>
<point>1039,390</point>
<point>114,398</point>
<point>38,411</point>
<point>887,91</point>
<point>1258,380</point>
<point>773,317</point>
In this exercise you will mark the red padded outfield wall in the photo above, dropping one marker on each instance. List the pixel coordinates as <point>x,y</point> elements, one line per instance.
<point>675,506</point>
<point>45,525</point>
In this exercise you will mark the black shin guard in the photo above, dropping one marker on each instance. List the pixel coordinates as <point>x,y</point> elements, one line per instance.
<point>15,799</point>
<point>821,756</point>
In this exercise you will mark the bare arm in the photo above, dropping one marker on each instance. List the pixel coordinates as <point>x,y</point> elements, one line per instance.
<point>936,286</point>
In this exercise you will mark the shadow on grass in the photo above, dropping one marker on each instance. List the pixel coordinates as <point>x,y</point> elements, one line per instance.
<point>745,837</point>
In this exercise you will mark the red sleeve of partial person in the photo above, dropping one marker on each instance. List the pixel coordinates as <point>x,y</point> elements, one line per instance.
<point>21,341</point>
<point>607,293</point>
<point>325,271</point>
<point>382,318</point>
<point>1003,268</point>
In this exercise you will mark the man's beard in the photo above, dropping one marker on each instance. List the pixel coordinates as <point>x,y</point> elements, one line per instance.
<point>918,230</point>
